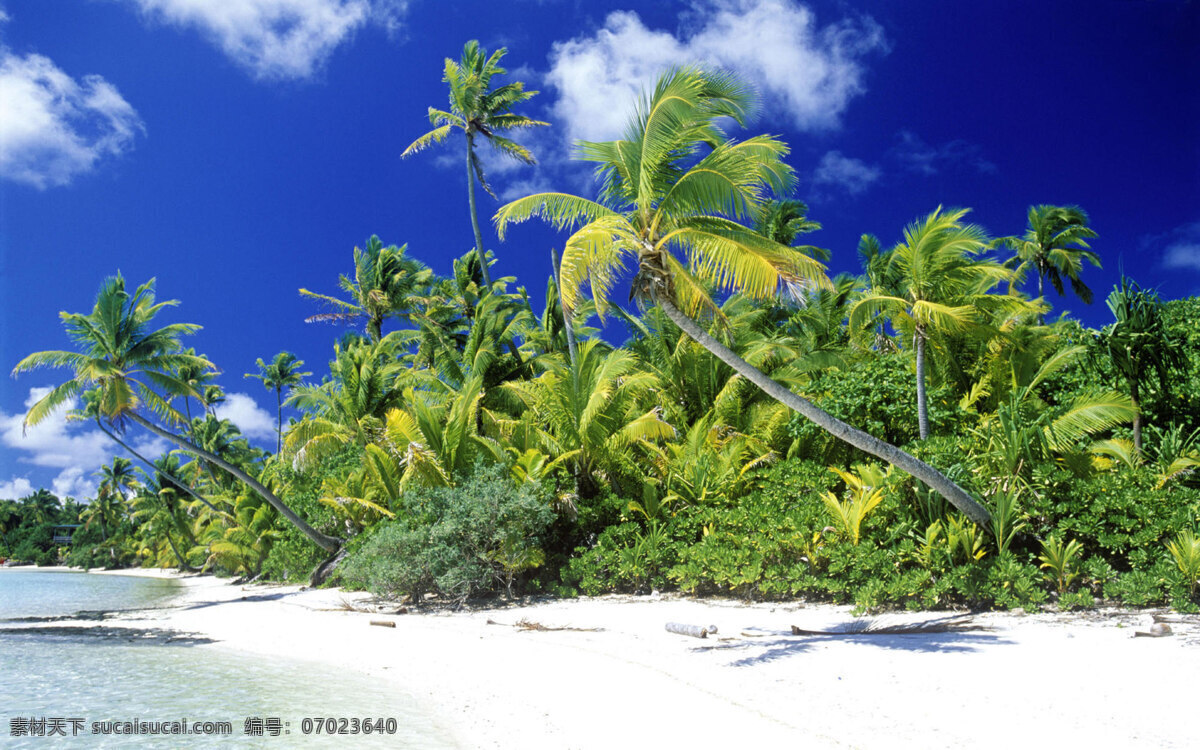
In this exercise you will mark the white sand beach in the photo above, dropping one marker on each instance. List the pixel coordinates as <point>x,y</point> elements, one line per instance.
<point>613,677</point>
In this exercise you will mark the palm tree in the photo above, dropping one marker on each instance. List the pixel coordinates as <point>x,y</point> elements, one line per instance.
<point>283,372</point>
<point>106,509</point>
<point>939,285</point>
<point>677,183</point>
<point>1138,344</point>
<point>118,476</point>
<point>475,109</point>
<point>350,407</point>
<point>784,221</point>
<point>42,506</point>
<point>592,414</point>
<point>1054,245</point>
<point>199,379</point>
<point>128,359</point>
<point>384,283</point>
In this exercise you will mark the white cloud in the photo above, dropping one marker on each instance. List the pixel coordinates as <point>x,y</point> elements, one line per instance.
<point>55,442</point>
<point>15,488</point>
<point>53,127</point>
<point>1182,255</point>
<point>920,157</point>
<point>805,73</point>
<point>850,174</point>
<point>247,415</point>
<point>277,39</point>
<point>75,448</point>
<point>72,482</point>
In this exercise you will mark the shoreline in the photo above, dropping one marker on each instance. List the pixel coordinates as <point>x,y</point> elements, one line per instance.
<point>602,672</point>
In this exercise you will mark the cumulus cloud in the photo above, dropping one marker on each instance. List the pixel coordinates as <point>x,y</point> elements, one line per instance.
<point>53,127</point>
<point>17,487</point>
<point>850,174</point>
<point>75,449</point>
<point>277,39</point>
<point>918,156</point>
<point>804,72</point>
<point>247,415</point>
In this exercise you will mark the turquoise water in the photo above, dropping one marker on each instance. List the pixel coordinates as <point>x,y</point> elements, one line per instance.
<point>59,673</point>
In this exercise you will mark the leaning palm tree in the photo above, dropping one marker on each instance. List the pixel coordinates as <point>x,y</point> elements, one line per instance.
<point>677,184</point>
<point>939,284</point>
<point>283,372</point>
<point>91,410</point>
<point>1054,245</point>
<point>477,110</point>
<point>130,361</point>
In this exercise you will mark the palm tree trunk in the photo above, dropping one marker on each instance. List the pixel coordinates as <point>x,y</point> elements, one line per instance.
<point>328,543</point>
<point>1134,392</point>
<point>279,421</point>
<point>956,495</point>
<point>922,396</point>
<point>183,566</point>
<point>178,482</point>
<point>487,275</point>
<point>570,329</point>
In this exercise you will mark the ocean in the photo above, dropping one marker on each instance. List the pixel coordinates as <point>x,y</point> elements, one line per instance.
<point>62,687</point>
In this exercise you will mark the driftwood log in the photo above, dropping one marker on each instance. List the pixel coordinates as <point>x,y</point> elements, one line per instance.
<point>695,631</point>
<point>384,623</point>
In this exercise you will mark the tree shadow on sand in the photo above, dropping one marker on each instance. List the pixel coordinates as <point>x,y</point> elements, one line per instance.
<point>775,645</point>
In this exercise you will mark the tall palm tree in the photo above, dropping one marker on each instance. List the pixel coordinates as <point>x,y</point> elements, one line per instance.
<point>1139,344</point>
<point>477,110</point>
<point>1054,245</point>
<point>128,359</point>
<point>939,285</point>
<point>384,284</point>
<point>199,379</point>
<point>283,372</point>
<point>106,509</point>
<point>677,183</point>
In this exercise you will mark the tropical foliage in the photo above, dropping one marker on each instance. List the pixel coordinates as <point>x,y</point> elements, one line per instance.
<point>733,434</point>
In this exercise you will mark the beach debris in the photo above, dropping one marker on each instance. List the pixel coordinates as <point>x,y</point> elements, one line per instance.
<point>695,631</point>
<point>1157,630</point>
<point>1183,620</point>
<point>952,624</point>
<point>384,623</point>
<point>525,624</point>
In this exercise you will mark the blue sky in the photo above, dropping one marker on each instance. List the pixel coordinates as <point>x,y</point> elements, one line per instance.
<point>238,151</point>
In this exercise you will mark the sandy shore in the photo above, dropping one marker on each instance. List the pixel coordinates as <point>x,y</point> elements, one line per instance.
<point>612,677</point>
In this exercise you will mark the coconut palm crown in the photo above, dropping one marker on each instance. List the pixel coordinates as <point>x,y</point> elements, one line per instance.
<point>477,109</point>
<point>122,354</point>
<point>675,196</point>
<point>675,193</point>
<point>1054,245</point>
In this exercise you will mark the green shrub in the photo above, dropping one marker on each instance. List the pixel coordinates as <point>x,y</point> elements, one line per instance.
<point>878,395</point>
<point>629,557</point>
<point>458,542</point>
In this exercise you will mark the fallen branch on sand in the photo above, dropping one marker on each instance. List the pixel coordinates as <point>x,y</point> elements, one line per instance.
<point>953,624</point>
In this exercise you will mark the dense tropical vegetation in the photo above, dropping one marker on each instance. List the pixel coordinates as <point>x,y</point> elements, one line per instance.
<point>924,434</point>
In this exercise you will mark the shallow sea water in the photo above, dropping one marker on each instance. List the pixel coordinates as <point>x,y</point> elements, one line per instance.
<point>48,671</point>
